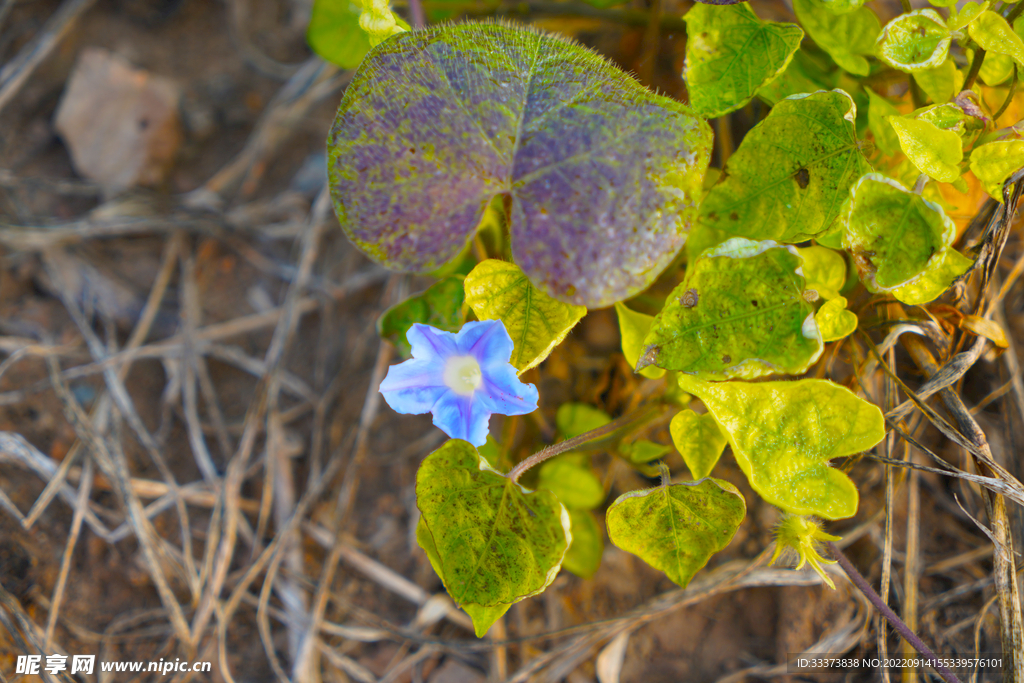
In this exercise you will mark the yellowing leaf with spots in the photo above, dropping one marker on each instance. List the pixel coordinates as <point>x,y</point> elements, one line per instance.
<point>783,435</point>
<point>915,41</point>
<point>633,327</point>
<point>491,541</point>
<point>740,312</point>
<point>498,290</point>
<point>677,528</point>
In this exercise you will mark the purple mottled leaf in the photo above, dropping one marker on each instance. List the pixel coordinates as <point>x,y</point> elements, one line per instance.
<point>604,176</point>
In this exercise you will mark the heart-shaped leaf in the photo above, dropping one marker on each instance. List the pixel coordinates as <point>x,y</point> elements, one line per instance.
<point>740,312</point>
<point>574,483</point>
<point>791,192</point>
<point>992,32</point>
<point>915,41</point>
<point>633,328</point>
<point>847,38</point>
<point>335,35</point>
<point>439,306</point>
<point>784,433</point>
<point>699,440</point>
<point>731,53</point>
<point>996,161</point>
<point>834,321</point>
<point>584,555</point>
<point>603,176</point>
<point>491,541</point>
<point>499,290</point>
<point>934,151</point>
<point>677,528</point>
<point>573,419</point>
<point>901,241</point>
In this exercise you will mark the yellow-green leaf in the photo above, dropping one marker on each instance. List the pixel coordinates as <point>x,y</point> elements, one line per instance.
<point>901,241</point>
<point>439,306</point>
<point>491,541</point>
<point>915,41</point>
<point>633,327</point>
<point>643,451</point>
<point>740,312</point>
<point>730,53</point>
<point>824,270</point>
<point>794,191</point>
<point>879,111</point>
<point>575,484</point>
<point>573,419</point>
<point>940,83</point>
<point>677,528</point>
<point>498,290</point>
<point>834,321</point>
<point>584,555</point>
<point>994,34</point>
<point>966,14</point>
<point>934,151</point>
<point>994,162</point>
<point>783,435</point>
<point>699,440</point>
<point>847,38</point>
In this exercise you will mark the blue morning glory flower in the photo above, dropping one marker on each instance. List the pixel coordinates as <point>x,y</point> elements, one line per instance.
<point>461,378</point>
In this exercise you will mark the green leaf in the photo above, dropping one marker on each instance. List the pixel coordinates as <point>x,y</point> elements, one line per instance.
<point>824,271</point>
<point>834,321</point>
<point>842,6</point>
<point>994,34</point>
<point>740,312</point>
<point>968,13</point>
<point>784,433</point>
<point>879,111</point>
<point>940,83</point>
<point>633,327</point>
<point>731,53</point>
<point>677,528</point>
<point>804,74</point>
<point>790,192</point>
<point>573,419</point>
<point>994,162</point>
<point>900,241</point>
<point>483,617</point>
<point>335,35</point>
<point>491,541</point>
<point>643,451</point>
<point>915,41</point>
<point>846,37</point>
<point>949,116</point>
<point>575,484</point>
<point>996,69</point>
<point>602,176</point>
<point>439,306</point>
<point>498,290</point>
<point>699,440</point>
<point>934,151</point>
<point>584,555</point>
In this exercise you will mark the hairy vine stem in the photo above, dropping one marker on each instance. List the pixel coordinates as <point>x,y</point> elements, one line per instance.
<point>886,611</point>
<point>639,415</point>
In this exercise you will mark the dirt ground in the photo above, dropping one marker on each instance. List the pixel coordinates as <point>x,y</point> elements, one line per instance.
<point>195,462</point>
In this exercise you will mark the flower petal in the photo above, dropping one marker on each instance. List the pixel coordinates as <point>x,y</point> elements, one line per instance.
<point>462,417</point>
<point>413,387</point>
<point>503,393</point>
<point>431,343</point>
<point>487,340</point>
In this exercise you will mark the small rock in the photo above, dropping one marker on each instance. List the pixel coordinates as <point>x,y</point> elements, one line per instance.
<point>120,124</point>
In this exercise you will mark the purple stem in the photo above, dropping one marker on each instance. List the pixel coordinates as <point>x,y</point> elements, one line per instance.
<point>416,14</point>
<point>890,616</point>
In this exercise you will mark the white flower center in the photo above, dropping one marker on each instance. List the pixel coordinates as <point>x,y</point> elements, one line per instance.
<point>462,375</point>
